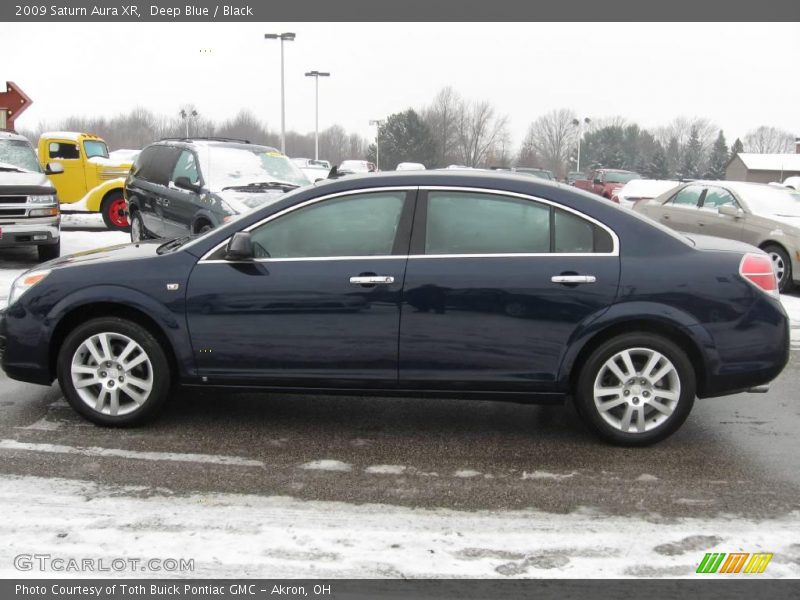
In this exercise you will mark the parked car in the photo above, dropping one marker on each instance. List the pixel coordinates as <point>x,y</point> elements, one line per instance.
<point>509,288</point>
<point>637,190</point>
<point>573,176</point>
<point>356,166</point>
<point>535,172</point>
<point>124,155</point>
<point>604,182</point>
<point>410,166</point>
<point>304,163</point>
<point>187,186</point>
<point>792,182</point>
<point>91,179</point>
<point>761,215</point>
<point>29,214</point>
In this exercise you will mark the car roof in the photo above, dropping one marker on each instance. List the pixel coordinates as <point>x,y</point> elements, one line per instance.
<point>445,177</point>
<point>7,134</point>
<point>206,143</point>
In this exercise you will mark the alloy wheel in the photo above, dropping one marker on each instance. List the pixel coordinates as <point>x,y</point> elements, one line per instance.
<point>112,374</point>
<point>636,390</point>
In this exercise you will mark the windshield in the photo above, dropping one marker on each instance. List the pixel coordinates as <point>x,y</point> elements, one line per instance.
<point>227,166</point>
<point>18,153</point>
<point>612,177</point>
<point>95,148</point>
<point>766,200</point>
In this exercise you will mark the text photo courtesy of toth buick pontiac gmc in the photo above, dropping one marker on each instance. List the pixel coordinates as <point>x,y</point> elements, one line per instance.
<point>466,284</point>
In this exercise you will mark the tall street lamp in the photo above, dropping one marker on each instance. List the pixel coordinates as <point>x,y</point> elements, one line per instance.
<point>283,37</point>
<point>377,123</point>
<point>186,116</point>
<point>579,124</point>
<point>316,75</point>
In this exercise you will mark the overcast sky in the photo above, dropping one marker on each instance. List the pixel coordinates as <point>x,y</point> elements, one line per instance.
<point>738,75</point>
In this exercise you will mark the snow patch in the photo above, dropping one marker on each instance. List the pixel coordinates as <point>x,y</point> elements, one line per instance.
<point>327,465</point>
<point>231,536</point>
<point>467,473</point>
<point>214,459</point>
<point>547,475</point>
<point>386,469</point>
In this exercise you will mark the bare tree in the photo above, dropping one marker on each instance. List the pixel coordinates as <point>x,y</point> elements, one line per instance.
<point>441,118</point>
<point>478,131</point>
<point>769,140</point>
<point>551,139</point>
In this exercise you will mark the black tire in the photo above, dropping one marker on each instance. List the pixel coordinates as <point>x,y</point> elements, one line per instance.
<point>203,227</point>
<point>49,251</point>
<point>137,226</point>
<point>590,413</point>
<point>775,252</point>
<point>161,376</point>
<point>110,203</point>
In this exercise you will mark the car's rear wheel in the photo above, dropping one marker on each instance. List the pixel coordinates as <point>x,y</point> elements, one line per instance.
<point>114,372</point>
<point>114,210</point>
<point>636,389</point>
<point>138,232</point>
<point>49,251</point>
<point>782,265</point>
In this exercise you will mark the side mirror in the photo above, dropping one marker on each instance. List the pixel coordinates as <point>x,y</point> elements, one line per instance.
<point>240,247</point>
<point>184,184</point>
<point>730,211</point>
<point>53,168</point>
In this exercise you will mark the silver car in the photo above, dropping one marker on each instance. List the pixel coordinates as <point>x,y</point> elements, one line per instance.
<point>762,215</point>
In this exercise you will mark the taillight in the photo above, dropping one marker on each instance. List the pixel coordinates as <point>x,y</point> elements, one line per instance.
<point>758,270</point>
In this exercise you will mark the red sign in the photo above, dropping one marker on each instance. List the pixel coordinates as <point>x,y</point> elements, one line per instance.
<point>14,102</point>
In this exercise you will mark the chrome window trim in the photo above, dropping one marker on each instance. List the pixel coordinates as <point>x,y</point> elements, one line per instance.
<point>611,232</point>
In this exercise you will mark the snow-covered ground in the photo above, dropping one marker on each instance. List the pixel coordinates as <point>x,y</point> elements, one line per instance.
<point>252,536</point>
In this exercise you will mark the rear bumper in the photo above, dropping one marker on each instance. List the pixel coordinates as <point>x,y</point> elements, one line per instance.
<point>36,232</point>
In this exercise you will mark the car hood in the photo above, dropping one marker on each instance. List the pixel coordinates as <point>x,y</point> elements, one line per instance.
<point>25,182</point>
<point>120,252</point>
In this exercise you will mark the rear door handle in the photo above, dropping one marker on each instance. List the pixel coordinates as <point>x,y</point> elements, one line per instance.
<point>372,280</point>
<point>573,279</point>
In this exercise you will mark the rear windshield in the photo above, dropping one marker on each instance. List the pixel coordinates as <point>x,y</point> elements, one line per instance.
<point>18,153</point>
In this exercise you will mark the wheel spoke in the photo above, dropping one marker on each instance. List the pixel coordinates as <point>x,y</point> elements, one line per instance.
<point>126,351</point>
<point>640,420</point>
<point>666,394</point>
<point>661,373</point>
<point>614,368</point>
<point>82,383</point>
<point>89,345</point>
<point>136,396</point>
<point>83,370</point>
<point>601,392</point>
<point>630,370</point>
<point>625,422</point>
<point>651,364</point>
<point>127,366</point>
<point>142,384</point>
<point>662,408</point>
<point>608,405</point>
<point>114,405</point>
<point>104,345</point>
<point>100,400</point>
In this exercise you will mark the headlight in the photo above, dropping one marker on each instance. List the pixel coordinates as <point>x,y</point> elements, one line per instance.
<point>25,282</point>
<point>43,199</point>
<point>43,212</point>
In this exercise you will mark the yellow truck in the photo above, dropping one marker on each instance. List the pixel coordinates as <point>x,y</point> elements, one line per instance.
<point>91,181</point>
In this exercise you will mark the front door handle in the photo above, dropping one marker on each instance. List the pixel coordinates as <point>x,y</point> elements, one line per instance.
<point>573,279</point>
<point>372,280</point>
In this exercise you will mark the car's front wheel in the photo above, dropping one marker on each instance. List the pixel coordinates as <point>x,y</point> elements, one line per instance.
<point>114,372</point>
<point>636,389</point>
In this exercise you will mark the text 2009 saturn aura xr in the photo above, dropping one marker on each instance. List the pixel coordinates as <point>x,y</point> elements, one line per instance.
<point>464,284</point>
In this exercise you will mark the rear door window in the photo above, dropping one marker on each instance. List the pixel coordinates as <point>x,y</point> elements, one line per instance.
<point>64,150</point>
<point>716,197</point>
<point>156,163</point>
<point>688,197</point>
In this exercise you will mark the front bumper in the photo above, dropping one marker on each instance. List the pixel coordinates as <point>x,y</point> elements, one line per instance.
<point>33,232</point>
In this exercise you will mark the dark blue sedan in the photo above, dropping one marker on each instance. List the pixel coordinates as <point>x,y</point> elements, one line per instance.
<point>465,284</point>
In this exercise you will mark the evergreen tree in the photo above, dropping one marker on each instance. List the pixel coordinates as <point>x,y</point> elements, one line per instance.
<point>737,147</point>
<point>659,166</point>
<point>692,157</point>
<point>719,158</point>
<point>404,138</point>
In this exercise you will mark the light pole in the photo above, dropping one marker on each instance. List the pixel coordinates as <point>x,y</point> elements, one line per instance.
<point>186,115</point>
<point>377,123</point>
<point>579,124</point>
<point>283,37</point>
<point>316,75</point>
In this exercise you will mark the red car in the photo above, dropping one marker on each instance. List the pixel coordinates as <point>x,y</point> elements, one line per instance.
<point>604,182</point>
